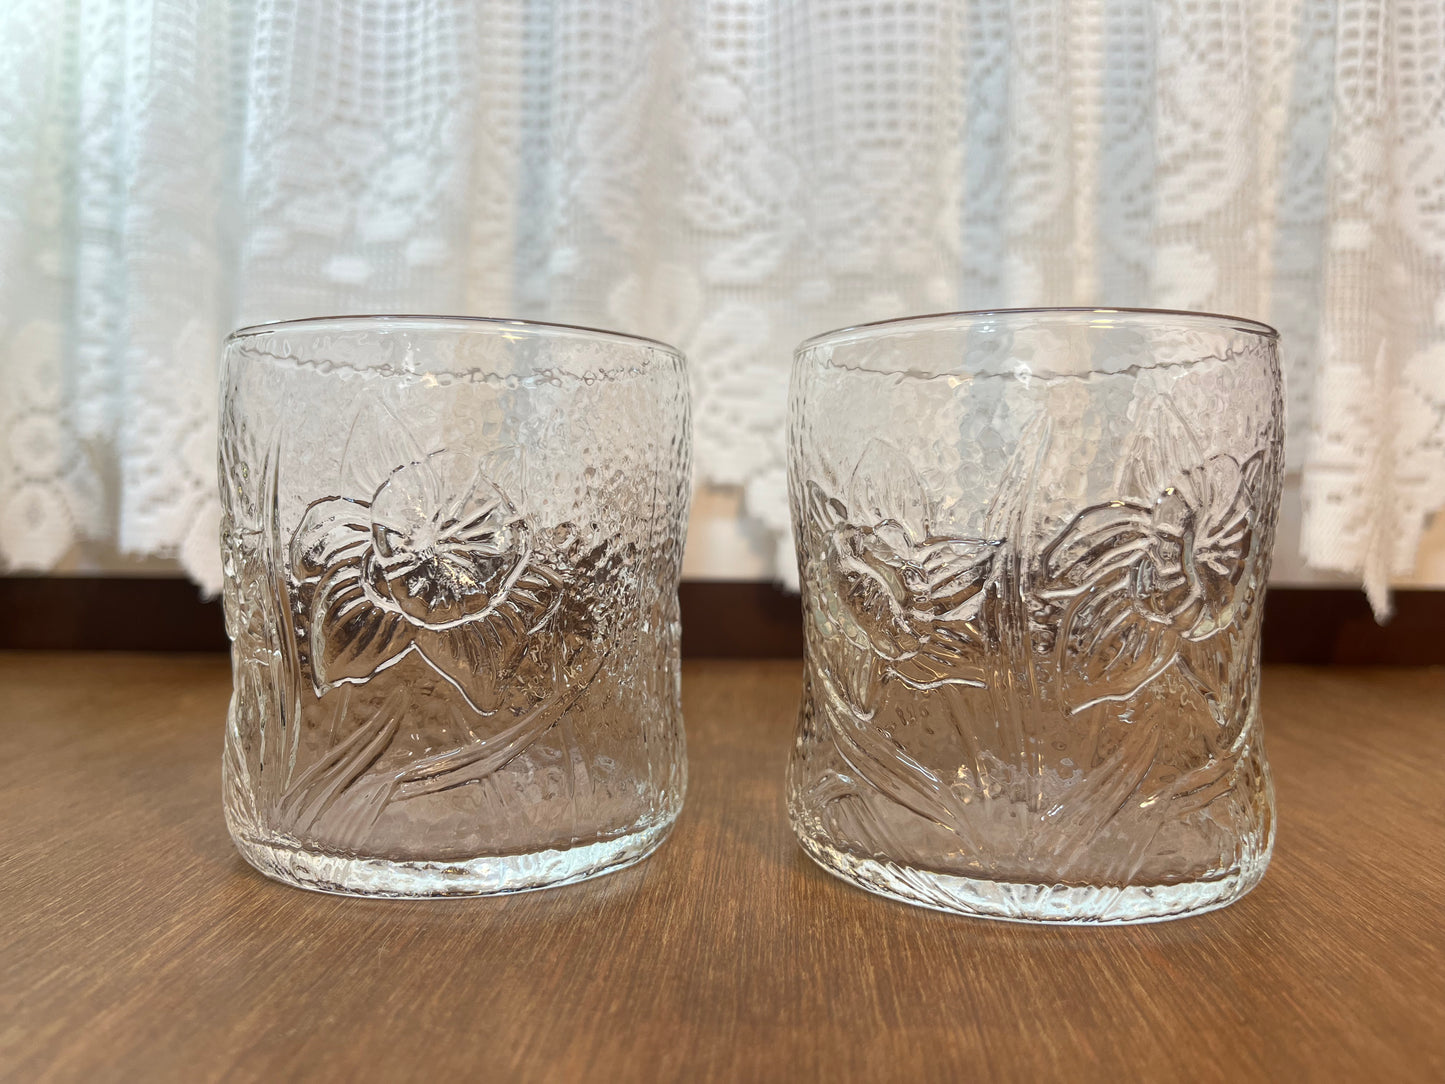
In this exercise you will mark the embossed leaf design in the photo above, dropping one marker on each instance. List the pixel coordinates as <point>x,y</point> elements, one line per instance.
<point>377,444</point>
<point>885,486</point>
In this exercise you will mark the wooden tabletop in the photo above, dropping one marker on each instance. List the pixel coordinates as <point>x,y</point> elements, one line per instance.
<point>136,945</point>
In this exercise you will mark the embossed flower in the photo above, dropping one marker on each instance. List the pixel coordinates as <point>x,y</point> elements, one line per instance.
<point>437,563</point>
<point>1128,582</point>
<point>915,600</point>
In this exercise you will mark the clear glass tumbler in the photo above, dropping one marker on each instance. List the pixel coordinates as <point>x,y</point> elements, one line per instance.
<point>1033,547</point>
<point>451,550</point>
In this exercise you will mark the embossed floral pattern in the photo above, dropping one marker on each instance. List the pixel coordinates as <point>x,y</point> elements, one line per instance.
<point>1116,596</point>
<point>1091,539</point>
<point>915,602</point>
<point>436,562</point>
<point>1126,583</point>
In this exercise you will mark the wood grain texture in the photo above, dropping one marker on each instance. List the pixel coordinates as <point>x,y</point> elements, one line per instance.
<point>136,945</point>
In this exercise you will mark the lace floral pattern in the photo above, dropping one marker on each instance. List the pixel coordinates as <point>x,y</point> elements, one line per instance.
<point>727,177</point>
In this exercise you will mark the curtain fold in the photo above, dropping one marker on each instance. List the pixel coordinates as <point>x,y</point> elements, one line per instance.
<point>728,176</point>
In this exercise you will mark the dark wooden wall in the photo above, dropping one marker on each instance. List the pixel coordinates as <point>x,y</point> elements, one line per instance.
<point>720,620</point>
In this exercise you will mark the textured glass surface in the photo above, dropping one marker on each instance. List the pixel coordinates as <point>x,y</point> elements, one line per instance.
<point>1033,549</point>
<point>451,556</point>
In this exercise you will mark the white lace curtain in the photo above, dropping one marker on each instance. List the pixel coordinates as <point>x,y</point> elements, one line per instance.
<point>729,176</point>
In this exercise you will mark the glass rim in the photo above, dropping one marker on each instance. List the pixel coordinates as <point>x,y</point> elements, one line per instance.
<point>492,323</point>
<point>1131,316</point>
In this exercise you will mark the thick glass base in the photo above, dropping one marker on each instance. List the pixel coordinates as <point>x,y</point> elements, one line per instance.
<point>1076,905</point>
<point>487,875</point>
